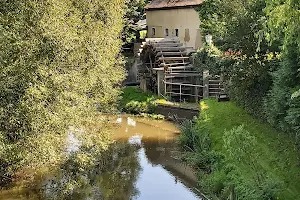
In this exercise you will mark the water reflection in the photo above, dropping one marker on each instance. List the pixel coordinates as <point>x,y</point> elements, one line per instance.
<point>142,165</point>
<point>163,176</point>
<point>112,177</point>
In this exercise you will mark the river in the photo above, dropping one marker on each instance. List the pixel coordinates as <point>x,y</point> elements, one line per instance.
<point>142,164</point>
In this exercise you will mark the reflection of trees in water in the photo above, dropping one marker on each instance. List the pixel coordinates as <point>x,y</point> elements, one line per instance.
<point>164,154</point>
<point>112,176</point>
<point>158,152</point>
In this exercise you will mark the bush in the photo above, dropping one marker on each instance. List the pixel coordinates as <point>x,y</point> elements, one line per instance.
<point>196,144</point>
<point>281,109</point>
<point>241,147</point>
<point>216,182</point>
<point>222,175</point>
<point>135,101</point>
<point>136,107</point>
<point>209,58</point>
<point>194,138</point>
<point>247,81</point>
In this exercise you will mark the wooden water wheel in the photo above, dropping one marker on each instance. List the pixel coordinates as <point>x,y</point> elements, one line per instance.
<point>169,57</point>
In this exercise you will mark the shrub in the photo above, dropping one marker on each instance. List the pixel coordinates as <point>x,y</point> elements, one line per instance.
<point>281,109</point>
<point>216,182</point>
<point>196,142</point>
<point>247,81</point>
<point>209,58</point>
<point>137,107</point>
<point>193,138</point>
<point>135,101</point>
<point>241,147</point>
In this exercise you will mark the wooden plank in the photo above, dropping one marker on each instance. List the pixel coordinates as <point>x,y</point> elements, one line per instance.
<point>185,89</point>
<point>183,84</point>
<point>175,64</point>
<point>183,94</point>
<point>184,74</point>
<point>167,45</point>
<point>181,67</point>
<point>215,81</point>
<point>161,40</point>
<point>171,54</point>
<point>169,49</point>
<point>173,58</point>
<point>159,68</point>
<point>177,71</point>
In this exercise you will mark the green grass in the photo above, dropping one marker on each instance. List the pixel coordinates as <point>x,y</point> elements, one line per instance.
<point>133,93</point>
<point>136,94</point>
<point>135,101</point>
<point>278,154</point>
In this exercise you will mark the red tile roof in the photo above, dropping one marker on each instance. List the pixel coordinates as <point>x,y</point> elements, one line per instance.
<point>164,4</point>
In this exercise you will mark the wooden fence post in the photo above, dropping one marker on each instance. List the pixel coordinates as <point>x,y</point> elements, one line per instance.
<point>160,83</point>
<point>197,82</point>
<point>205,84</point>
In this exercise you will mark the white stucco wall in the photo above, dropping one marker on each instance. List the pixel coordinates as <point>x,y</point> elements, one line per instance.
<point>186,20</point>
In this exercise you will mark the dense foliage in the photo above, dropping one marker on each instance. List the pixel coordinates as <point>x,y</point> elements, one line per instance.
<point>256,48</point>
<point>244,59</point>
<point>239,157</point>
<point>59,66</point>
<point>283,103</point>
<point>134,12</point>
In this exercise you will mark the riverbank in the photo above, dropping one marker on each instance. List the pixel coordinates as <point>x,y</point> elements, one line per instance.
<point>146,104</point>
<point>238,156</point>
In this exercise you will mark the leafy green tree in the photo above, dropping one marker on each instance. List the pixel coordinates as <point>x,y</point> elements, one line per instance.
<point>259,41</point>
<point>133,13</point>
<point>246,57</point>
<point>282,108</point>
<point>59,67</point>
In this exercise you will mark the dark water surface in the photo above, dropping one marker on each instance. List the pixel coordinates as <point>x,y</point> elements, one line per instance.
<point>142,165</point>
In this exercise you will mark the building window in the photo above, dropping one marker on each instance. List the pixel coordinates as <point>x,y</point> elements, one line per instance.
<point>167,32</point>
<point>153,31</point>
<point>176,32</point>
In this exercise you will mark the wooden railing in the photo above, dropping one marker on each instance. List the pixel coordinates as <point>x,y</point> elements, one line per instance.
<point>193,94</point>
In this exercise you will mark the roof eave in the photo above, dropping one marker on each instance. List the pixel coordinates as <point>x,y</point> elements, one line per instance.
<point>172,7</point>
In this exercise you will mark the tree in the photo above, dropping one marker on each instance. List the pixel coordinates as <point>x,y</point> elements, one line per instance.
<point>134,12</point>
<point>246,58</point>
<point>282,108</point>
<point>59,67</point>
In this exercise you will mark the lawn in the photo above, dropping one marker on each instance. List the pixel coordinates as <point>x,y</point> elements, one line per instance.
<point>277,151</point>
<point>133,93</point>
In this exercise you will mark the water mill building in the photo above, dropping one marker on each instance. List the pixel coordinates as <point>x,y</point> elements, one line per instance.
<point>175,18</point>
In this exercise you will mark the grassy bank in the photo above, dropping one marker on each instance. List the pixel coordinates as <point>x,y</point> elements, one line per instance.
<point>237,155</point>
<point>135,101</point>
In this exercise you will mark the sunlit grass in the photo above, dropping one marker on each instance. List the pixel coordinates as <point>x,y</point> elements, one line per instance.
<point>278,154</point>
